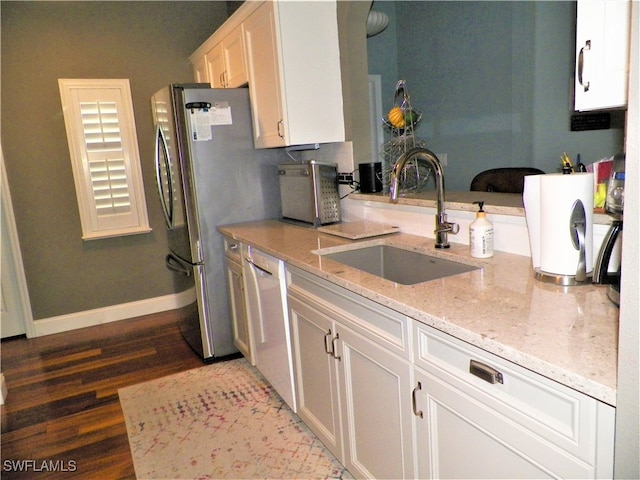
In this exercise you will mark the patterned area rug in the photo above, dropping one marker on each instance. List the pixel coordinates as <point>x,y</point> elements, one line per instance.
<point>220,421</point>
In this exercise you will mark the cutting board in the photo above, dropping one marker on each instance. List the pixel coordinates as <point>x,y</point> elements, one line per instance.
<point>357,230</point>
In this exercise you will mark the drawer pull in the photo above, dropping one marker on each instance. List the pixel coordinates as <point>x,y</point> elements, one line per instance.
<point>485,372</point>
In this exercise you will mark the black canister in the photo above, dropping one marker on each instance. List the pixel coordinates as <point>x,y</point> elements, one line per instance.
<point>370,177</point>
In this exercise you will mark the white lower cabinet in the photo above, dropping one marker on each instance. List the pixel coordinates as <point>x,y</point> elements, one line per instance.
<point>237,301</point>
<point>394,398</point>
<point>375,390</point>
<point>461,437</point>
<point>521,426</point>
<point>352,390</point>
<point>316,372</point>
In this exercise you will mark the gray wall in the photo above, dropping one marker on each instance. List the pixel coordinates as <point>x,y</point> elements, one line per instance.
<point>146,42</point>
<point>493,80</point>
<point>353,64</point>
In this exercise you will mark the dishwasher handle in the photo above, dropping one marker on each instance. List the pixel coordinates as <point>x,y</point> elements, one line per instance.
<point>258,267</point>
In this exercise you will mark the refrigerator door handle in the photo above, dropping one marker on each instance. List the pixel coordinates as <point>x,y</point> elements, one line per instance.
<point>177,265</point>
<point>163,169</point>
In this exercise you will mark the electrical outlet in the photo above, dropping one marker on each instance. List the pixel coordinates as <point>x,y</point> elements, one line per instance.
<point>443,159</point>
<point>345,178</point>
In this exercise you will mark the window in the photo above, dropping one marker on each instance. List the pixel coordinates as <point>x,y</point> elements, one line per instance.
<point>98,115</point>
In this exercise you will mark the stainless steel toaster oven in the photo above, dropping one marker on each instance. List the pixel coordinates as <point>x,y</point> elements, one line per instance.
<point>309,192</point>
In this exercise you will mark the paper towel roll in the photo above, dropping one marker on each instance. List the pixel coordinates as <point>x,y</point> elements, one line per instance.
<point>531,201</point>
<point>558,194</point>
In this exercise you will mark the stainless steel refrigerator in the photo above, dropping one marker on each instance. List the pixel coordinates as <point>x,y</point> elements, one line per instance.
<point>209,174</point>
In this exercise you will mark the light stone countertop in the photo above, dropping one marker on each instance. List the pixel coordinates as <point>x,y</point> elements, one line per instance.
<point>568,334</point>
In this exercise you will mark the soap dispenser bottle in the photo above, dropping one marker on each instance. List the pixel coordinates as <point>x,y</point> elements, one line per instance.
<point>481,235</point>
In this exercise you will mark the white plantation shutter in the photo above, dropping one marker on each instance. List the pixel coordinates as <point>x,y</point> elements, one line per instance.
<point>105,158</point>
<point>102,139</point>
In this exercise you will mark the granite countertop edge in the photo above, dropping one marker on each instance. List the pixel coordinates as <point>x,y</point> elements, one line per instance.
<point>567,334</point>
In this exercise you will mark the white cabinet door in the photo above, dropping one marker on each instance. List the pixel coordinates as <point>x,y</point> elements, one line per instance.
<point>214,60</point>
<point>264,78</point>
<point>223,63</point>
<point>479,416</point>
<point>241,333</point>
<point>235,72</point>
<point>293,59</point>
<point>310,61</point>
<point>288,54</point>
<point>352,391</point>
<point>200,70</point>
<point>316,372</point>
<point>602,54</point>
<point>458,437</point>
<point>375,403</point>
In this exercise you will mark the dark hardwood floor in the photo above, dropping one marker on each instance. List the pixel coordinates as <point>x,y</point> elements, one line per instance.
<point>62,411</point>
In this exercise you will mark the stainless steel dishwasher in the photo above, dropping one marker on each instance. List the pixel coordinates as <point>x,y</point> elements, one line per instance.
<point>269,322</point>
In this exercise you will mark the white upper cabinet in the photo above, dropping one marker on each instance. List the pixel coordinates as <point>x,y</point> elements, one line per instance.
<point>234,72</point>
<point>602,54</point>
<point>265,78</point>
<point>214,66</point>
<point>200,70</point>
<point>292,59</point>
<point>221,60</point>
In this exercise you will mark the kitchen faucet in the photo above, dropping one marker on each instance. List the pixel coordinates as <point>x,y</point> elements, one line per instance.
<point>442,226</point>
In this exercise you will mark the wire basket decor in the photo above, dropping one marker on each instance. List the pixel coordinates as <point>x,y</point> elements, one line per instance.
<point>401,120</point>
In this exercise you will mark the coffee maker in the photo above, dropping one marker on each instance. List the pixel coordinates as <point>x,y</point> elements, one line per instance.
<point>604,270</point>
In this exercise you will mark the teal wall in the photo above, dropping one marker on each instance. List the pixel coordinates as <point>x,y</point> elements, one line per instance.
<point>493,80</point>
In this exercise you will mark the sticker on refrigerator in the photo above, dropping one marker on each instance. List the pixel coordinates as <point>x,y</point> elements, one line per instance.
<point>200,125</point>
<point>220,114</point>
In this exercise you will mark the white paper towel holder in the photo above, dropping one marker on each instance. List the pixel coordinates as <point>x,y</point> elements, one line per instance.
<point>577,230</point>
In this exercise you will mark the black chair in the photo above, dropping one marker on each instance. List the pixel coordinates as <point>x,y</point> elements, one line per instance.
<point>502,180</point>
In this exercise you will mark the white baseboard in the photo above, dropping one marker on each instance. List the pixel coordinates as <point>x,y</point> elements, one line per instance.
<point>90,318</point>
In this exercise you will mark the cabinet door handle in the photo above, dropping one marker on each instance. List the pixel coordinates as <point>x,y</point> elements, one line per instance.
<point>333,347</point>
<point>281,129</point>
<point>326,343</point>
<point>414,402</point>
<point>587,46</point>
<point>485,372</point>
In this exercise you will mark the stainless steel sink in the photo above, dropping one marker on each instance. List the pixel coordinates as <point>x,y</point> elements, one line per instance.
<point>398,265</point>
